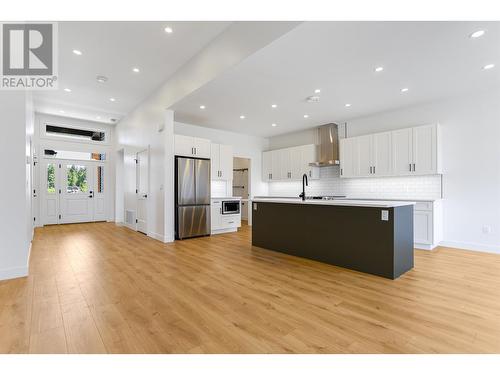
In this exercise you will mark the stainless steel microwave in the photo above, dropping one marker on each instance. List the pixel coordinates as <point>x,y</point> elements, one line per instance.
<point>230,207</point>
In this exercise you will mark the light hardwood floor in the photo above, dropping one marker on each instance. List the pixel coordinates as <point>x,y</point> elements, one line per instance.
<point>101,288</point>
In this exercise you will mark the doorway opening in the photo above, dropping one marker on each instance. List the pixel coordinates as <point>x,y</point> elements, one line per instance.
<point>241,185</point>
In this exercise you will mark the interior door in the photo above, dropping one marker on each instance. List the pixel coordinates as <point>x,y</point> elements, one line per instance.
<point>402,151</point>
<point>382,154</point>
<point>76,203</point>
<point>49,191</point>
<point>99,172</point>
<point>142,190</point>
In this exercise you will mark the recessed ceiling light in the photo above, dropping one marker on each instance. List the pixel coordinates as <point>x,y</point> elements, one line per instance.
<point>477,34</point>
<point>488,66</point>
<point>379,68</point>
<point>67,90</point>
<point>306,116</point>
<point>317,91</point>
<point>202,107</point>
<point>136,70</point>
<point>274,125</point>
<point>405,89</point>
<point>101,79</point>
<point>347,105</point>
<point>242,117</point>
<point>112,99</point>
<point>98,117</point>
<point>168,30</point>
<point>77,52</point>
<point>61,111</point>
<point>274,105</point>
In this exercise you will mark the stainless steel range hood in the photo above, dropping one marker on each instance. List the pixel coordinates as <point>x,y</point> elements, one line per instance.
<point>328,153</point>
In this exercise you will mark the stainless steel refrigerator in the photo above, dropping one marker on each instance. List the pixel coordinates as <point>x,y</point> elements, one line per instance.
<point>192,197</point>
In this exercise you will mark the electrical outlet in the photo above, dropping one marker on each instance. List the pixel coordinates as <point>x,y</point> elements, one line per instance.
<point>486,229</point>
<point>385,215</point>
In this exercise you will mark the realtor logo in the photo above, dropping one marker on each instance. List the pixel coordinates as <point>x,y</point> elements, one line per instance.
<point>28,55</point>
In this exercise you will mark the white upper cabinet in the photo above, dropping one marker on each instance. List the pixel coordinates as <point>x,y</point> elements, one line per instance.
<point>289,163</point>
<point>402,152</point>
<point>191,146</point>
<point>202,147</point>
<point>221,159</point>
<point>412,151</point>
<point>363,158</point>
<point>382,154</point>
<point>425,150</point>
<point>348,157</point>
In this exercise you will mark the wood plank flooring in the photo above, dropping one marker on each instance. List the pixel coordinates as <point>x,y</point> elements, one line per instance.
<point>102,288</point>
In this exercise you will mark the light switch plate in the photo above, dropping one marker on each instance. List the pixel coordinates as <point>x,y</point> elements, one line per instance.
<point>385,215</point>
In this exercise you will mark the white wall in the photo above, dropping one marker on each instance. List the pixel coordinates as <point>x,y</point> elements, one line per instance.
<point>15,190</point>
<point>471,161</point>
<point>41,143</point>
<point>244,146</point>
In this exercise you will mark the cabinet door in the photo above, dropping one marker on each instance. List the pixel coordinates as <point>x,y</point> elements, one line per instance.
<point>424,149</point>
<point>215,161</point>
<point>422,227</point>
<point>202,147</point>
<point>183,145</point>
<point>275,165</point>
<point>347,157</point>
<point>266,165</point>
<point>309,155</point>
<point>285,164</point>
<point>402,155</point>
<point>297,167</point>
<point>363,166</point>
<point>382,154</point>
<point>226,162</point>
<point>216,215</point>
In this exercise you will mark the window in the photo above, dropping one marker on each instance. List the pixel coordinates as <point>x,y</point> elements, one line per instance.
<point>51,178</point>
<point>82,134</point>
<point>100,179</point>
<point>74,155</point>
<point>76,179</point>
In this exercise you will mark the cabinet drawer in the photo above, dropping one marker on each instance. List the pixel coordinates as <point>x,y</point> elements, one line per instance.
<point>231,221</point>
<point>423,206</point>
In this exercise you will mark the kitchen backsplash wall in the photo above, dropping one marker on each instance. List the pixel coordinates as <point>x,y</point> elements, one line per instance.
<point>330,183</point>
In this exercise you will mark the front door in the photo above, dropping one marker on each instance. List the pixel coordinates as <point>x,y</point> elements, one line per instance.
<point>142,190</point>
<point>77,194</point>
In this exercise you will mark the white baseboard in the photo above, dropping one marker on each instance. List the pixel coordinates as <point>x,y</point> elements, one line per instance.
<point>227,230</point>
<point>13,273</point>
<point>471,246</point>
<point>421,246</point>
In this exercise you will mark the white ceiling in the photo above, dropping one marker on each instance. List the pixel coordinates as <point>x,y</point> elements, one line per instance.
<point>112,49</point>
<point>433,59</point>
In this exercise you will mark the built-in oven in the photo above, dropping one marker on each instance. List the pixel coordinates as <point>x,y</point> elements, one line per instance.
<point>230,207</point>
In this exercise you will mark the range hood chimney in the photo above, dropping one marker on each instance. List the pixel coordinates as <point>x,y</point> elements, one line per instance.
<point>328,136</point>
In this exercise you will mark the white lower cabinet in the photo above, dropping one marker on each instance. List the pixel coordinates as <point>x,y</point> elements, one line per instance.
<point>223,223</point>
<point>427,224</point>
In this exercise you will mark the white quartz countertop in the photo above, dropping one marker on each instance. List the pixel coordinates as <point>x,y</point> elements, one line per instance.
<point>234,198</point>
<point>339,202</point>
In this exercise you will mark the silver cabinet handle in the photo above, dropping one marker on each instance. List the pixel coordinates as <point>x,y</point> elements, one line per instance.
<point>310,173</point>
<point>373,169</point>
<point>410,167</point>
<point>413,167</point>
<point>341,171</point>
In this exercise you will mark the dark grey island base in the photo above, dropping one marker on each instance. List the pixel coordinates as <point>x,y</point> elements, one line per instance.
<point>350,236</point>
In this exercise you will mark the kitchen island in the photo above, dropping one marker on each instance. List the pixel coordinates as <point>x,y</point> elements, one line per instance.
<point>375,237</point>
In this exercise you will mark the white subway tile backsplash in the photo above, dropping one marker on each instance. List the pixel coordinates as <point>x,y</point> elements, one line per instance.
<point>330,183</point>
